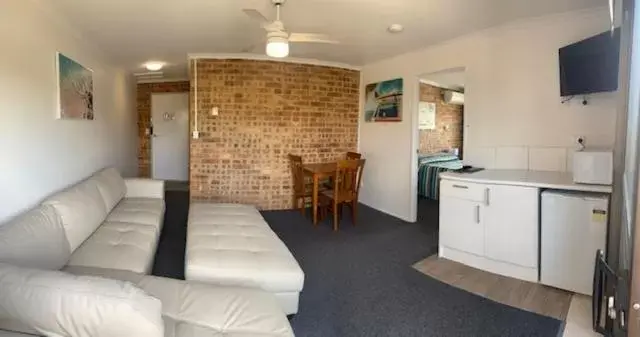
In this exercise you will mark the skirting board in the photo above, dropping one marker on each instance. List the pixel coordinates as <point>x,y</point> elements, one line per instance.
<point>492,266</point>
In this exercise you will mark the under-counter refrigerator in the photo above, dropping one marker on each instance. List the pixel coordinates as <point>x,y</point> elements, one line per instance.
<point>573,228</point>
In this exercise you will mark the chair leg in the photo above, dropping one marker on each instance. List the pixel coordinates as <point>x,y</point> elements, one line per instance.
<point>322,211</point>
<point>335,217</point>
<point>354,211</point>
<point>300,204</point>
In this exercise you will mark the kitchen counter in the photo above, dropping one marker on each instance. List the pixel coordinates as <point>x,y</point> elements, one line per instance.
<point>539,179</point>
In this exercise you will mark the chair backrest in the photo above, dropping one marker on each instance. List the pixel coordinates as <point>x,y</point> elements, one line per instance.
<point>297,173</point>
<point>354,155</point>
<point>348,179</point>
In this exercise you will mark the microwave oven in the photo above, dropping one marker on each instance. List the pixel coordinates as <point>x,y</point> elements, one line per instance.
<point>593,167</point>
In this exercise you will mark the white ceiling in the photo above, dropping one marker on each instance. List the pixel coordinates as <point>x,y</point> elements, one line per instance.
<point>135,31</point>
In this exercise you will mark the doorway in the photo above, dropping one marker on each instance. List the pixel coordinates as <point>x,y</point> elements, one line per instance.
<point>170,137</point>
<point>440,134</point>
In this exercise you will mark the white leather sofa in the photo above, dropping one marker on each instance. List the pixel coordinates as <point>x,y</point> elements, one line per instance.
<point>76,266</point>
<point>232,244</point>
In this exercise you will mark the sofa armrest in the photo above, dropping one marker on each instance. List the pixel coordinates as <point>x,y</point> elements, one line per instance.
<point>144,188</point>
<point>210,308</point>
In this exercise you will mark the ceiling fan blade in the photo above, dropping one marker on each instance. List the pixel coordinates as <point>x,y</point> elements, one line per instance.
<point>311,37</point>
<point>256,15</point>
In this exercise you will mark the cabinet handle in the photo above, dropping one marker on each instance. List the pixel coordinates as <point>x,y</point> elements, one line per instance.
<point>486,196</point>
<point>461,186</point>
<point>478,214</point>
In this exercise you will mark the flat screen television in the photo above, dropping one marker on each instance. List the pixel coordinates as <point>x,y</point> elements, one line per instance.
<point>591,65</point>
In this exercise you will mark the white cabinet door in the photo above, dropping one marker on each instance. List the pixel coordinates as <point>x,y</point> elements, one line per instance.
<point>460,225</point>
<point>511,225</point>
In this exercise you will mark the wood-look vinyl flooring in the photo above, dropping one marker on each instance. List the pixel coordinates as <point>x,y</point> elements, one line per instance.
<point>525,295</point>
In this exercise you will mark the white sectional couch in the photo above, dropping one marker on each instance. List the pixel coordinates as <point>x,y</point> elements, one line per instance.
<point>77,266</point>
<point>111,222</point>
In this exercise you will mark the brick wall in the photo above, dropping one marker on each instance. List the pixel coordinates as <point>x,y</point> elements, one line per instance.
<point>268,110</point>
<point>144,91</point>
<point>448,131</point>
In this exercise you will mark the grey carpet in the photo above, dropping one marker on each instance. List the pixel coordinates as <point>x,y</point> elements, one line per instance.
<point>359,281</point>
<point>169,259</point>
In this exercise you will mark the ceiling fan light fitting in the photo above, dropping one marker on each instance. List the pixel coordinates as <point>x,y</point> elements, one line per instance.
<point>154,65</point>
<point>395,28</point>
<point>277,47</point>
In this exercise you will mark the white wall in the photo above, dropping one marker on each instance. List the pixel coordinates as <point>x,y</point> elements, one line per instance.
<point>41,154</point>
<point>512,106</point>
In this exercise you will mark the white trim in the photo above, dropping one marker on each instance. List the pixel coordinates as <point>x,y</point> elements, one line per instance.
<point>163,80</point>
<point>442,86</point>
<point>361,100</point>
<point>413,108</point>
<point>261,57</point>
<point>195,99</point>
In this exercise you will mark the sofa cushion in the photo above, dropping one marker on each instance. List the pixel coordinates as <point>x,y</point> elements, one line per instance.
<point>119,245</point>
<point>193,309</point>
<point>59,304</point>
<point>81,209</point>
<point>35,239</point>
<point>145,211</point>
<point>144,188</point>
<point>229,244</point>
<point>111,187</point>
<point>116,274</point>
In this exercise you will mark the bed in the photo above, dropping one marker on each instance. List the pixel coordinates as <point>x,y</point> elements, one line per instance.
<point>429,168</point>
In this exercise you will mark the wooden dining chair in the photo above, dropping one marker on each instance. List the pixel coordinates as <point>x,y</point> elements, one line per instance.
<point>346,186</point>
<point>350,156</point>
<point>353,155</point>
<point>300,188</point>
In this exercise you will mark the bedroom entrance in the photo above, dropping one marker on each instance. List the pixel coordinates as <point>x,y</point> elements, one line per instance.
<point>440,127</point>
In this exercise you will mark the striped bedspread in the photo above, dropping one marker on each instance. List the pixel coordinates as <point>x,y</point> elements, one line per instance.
<point>429,167</point>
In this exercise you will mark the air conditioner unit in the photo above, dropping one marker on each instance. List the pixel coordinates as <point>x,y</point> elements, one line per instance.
<point>453,97</point>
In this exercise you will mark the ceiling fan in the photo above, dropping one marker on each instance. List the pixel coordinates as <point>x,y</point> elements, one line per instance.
<point>277,37</point>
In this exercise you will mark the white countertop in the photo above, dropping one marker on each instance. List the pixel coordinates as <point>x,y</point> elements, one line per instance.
<point>540,179</point>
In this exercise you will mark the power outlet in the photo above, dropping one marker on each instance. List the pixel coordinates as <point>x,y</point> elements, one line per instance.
<point>580,142</point>
<point>195,135</point>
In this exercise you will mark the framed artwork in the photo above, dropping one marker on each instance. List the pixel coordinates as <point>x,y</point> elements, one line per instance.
<point>426,116</point>
<point>383,101</point>
<point>75,89</point>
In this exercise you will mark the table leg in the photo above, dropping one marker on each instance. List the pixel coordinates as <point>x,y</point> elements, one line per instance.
<point>314,201</point>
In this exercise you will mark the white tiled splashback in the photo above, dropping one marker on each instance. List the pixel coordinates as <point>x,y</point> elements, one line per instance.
<point>558,159</point>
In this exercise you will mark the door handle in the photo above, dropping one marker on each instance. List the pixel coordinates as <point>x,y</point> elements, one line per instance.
<point>461,186</point>
<point>477,214</point>
<point>486,196</point>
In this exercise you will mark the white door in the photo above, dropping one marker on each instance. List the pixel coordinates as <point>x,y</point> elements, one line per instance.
<point>170,138</point>
<point>460,225</point>
<point>511,225</point>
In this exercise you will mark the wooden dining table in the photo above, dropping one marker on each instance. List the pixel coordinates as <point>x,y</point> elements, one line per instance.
<point>317,172</point>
